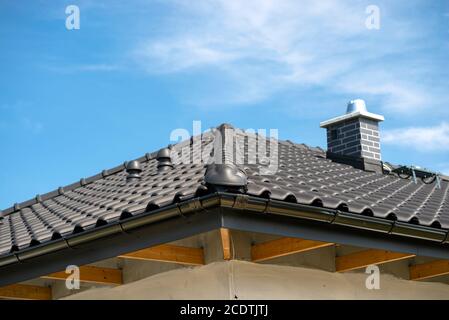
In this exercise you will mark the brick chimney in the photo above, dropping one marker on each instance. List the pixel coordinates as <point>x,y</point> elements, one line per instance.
<point>354,137</point>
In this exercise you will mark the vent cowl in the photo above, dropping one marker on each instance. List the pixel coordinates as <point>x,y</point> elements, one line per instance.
<point>164,159</point>
<point>225,176</point>
<point>133,169</point>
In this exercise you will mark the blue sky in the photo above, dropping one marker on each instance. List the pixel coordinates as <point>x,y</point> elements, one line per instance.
<point>74,102</point>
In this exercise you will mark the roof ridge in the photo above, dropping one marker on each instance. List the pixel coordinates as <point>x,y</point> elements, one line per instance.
<point>223,173</point>
<point>147,157</point>
<point>300,176</point>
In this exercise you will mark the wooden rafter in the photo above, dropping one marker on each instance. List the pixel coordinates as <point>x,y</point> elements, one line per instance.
<point>25,292</point>
<point>429,269</point>
<point>368,257</point>
<point>283,247</point>
<point>226,243</point>
<point>168,253</point>
<point>91,274</point>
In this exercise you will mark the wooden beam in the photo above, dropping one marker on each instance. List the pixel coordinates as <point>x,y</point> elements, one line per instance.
<point>368,257</point>
<point>25,292</point>
<point>168,253</point>
<point>226,243</point>
<point>283,247</point>
<point>429,269</point>
<point>91,274</point>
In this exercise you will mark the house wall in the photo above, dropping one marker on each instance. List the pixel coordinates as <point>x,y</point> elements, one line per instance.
<point>246,280</point>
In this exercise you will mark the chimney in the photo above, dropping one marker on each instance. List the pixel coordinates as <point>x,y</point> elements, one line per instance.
<point>353,138</point>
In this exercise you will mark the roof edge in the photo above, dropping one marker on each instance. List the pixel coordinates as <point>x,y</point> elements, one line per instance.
<point>239,202</point>
<point>82,182</point>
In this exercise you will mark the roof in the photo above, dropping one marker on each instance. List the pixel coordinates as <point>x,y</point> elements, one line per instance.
<point>305,176</point>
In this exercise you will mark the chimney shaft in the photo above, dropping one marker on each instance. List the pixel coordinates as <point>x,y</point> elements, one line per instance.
<point>354,134</point>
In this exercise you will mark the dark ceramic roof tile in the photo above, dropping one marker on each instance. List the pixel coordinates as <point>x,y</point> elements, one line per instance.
<point>64,229</point>
<point>304,175</point>
<point>109,215</point>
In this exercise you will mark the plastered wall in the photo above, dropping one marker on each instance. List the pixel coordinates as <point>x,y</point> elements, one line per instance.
<point>245,280</point>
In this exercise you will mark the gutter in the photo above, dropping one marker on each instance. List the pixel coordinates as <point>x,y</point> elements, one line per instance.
<point>249,204</point>
<point>125,226</point>
<point>333,216</point>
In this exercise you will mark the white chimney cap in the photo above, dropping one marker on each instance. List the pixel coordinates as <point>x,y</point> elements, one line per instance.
<point>356,105</point>
<point>356,108</point>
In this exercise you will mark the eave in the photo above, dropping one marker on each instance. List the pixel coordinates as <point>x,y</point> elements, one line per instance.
<point>222,210</point>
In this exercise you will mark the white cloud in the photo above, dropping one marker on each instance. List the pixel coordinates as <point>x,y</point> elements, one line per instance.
<point>399,96</point>
<point>99,67</point>
<point>267,46</point>
<point>434,138</point>
<point>96,67</point>
<point>181,54</point>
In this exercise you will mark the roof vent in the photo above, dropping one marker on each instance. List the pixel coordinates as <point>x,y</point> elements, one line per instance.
<point>133,169</point>
<point>357,105</point>
<point>225,177</point>
<point>164,159</point>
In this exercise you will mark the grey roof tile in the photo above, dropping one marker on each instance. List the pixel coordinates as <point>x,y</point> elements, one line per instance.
<point>304,176</point>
